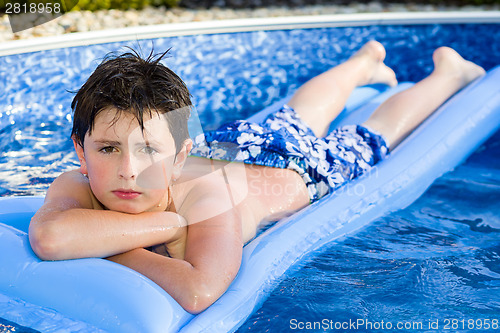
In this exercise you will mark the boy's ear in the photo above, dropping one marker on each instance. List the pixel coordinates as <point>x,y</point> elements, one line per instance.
<point>181,157</point>
<point>81,156</point>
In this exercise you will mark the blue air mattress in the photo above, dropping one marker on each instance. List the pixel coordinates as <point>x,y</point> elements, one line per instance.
<point>116,299</point>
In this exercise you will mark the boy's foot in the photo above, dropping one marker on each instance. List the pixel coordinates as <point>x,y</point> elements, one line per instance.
<point>448,61</point>
<point>377,71</point>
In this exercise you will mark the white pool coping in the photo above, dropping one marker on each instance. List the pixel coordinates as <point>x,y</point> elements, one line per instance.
<point>242,25</point>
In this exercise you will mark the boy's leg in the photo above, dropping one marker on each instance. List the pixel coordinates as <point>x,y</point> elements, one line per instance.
<point>323,97</point>
<point>397,117</point>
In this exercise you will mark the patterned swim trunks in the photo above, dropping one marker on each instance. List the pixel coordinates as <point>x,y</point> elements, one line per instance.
<point>283,140</point>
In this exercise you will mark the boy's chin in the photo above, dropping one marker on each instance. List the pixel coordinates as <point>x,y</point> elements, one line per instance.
<point>127,210</point>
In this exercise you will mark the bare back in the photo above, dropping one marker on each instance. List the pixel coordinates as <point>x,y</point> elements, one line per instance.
<point>259,194</point>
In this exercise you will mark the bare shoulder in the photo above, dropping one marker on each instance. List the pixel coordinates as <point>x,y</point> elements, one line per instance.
<point>70,190</point>
<point>217,191</point>
<point>207,197</point>
<point>214,235</point>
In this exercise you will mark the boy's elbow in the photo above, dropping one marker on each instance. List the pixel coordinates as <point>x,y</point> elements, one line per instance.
<point>46,242</point>
<point>196,305</point>
<point>198,299</point>
<point>200,294</point>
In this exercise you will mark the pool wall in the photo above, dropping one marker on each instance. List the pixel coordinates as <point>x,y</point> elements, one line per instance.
<point>244,25</point>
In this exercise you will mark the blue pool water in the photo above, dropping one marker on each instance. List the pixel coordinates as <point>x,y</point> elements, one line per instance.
<point>436,260</point>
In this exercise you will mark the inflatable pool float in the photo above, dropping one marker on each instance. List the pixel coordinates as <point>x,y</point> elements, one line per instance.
<point>116,299</point>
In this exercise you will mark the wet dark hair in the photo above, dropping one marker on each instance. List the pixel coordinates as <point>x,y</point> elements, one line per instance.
<point>137,86</point>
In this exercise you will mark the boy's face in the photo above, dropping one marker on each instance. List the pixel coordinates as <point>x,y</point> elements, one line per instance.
<point>130,170</point>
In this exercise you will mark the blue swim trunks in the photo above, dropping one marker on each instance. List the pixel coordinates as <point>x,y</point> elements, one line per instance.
<point>283,140</point>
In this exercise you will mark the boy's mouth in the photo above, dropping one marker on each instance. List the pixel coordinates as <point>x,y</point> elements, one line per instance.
<point>126,194</point>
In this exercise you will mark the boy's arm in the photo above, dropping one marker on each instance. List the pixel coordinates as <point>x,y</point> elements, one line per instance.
<point>212,259</point>
<point>67,226</point>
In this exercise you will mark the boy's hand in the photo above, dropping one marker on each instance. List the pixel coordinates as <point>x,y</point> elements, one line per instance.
<point>174,248</point>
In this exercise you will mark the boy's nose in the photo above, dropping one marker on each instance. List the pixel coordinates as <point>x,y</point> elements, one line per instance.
<point>127,169</point>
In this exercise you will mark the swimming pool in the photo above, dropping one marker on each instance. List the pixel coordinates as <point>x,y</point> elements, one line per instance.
<point>255,69</point>
<point>436,261</point>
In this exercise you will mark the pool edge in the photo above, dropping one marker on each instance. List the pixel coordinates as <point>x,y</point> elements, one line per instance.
<point>243,25</point>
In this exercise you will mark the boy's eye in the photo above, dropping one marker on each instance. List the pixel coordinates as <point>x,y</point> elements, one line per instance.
<point>107,150</point>
<point>149,150</point>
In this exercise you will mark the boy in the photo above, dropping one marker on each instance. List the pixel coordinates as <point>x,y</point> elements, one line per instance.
<point>139,188</point>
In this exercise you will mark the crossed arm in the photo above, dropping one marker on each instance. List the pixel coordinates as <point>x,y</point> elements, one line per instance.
<point>67,227</point>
